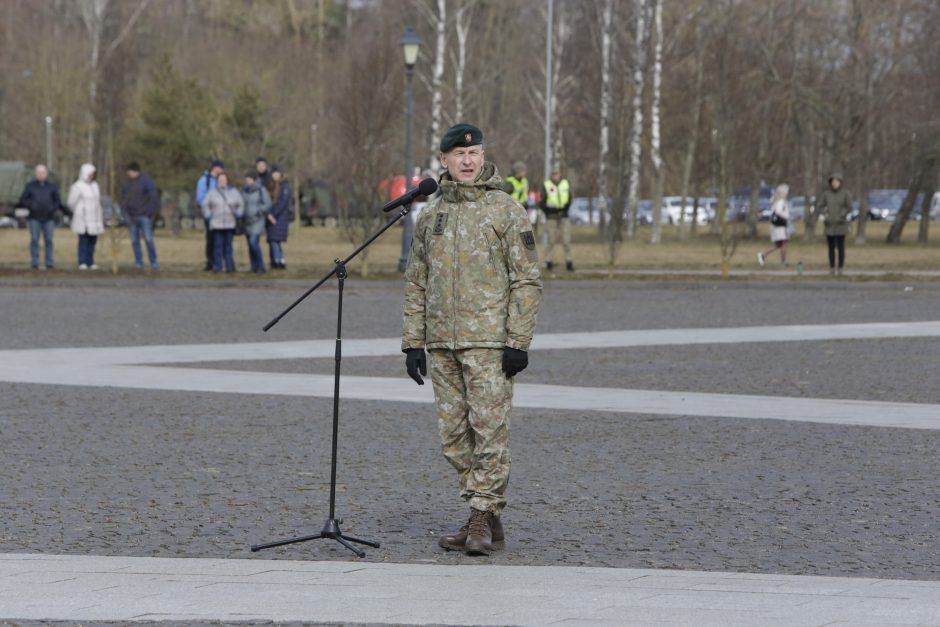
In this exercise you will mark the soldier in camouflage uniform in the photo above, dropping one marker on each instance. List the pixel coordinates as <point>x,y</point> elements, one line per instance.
<point>472,290</point>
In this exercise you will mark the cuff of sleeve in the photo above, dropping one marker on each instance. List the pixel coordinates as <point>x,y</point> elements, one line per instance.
<point>518,345</point>
<point>407,346</point>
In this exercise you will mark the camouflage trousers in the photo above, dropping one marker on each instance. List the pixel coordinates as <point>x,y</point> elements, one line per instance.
<point>474,403</point>
<point>557,231</point>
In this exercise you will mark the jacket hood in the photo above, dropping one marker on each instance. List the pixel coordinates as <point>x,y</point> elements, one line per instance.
<point>835,175</point>
<point>489,179</point>
<point>85,172</point>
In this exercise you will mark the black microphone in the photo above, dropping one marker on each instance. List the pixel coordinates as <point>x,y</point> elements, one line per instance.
<point>424,188</point>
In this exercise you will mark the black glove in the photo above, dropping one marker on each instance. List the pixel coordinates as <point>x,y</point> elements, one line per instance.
<point>415,362</point>
<point>514,361</point>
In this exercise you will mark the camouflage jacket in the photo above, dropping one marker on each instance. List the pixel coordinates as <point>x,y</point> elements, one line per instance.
<point>473,276</point>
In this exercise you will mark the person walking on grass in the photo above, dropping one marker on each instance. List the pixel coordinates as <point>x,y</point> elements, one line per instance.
<point>87,215</point>
<point>779,225</point>
<point>221,209</point>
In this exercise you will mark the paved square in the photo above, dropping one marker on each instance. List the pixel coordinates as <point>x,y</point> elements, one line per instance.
<point>710,429</point>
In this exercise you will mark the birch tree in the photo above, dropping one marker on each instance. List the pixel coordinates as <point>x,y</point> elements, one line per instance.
<point>655,135</point>
<point>604,116</point>
<point>94,14</point>
<point>692,144</point>
<point>632,173</point>
<point>439,19</point>
<point>462,22</point>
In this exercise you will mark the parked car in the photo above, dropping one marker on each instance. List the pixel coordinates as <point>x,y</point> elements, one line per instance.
<point>935,207</point>
<point>884,204</point>
<point>740,202</point>
<point>798,207</point>
<point>676,208</point>
<point>586,211</point>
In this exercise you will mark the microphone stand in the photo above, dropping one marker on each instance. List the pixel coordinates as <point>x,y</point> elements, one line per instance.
<point>331,528</point>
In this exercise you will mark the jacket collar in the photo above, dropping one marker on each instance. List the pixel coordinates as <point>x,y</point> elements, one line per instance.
<point>452,191</point>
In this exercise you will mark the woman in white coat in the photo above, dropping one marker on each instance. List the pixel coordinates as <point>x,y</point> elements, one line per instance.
<point>87,215</point>
<point>779,225</point>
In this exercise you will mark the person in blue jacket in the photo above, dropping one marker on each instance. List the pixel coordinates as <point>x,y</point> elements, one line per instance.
<point>206,182</point>
<point>41,197</point>
<point>279,216</point>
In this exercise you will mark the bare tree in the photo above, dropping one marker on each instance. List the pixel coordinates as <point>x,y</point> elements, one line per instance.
<point>603,143</point>
<point>659,171</point>
<point>439,19</point>
<point>632,174</point>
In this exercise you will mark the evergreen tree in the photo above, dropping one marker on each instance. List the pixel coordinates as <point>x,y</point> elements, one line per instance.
<point>244,136</point>
<point>176,136</point>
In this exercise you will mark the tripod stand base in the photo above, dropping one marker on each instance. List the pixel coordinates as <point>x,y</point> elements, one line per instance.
<point>330,531</point>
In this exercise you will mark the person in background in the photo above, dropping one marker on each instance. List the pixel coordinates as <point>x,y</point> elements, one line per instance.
<point>835,207</point>
<point>779,225</point>
<point>41,197</point>
<point>518,188</point>
<point>257,204</point>
<point>222,207</point>
<point>205,183</point>
<point>279,217</point>
<point>263,173</point>
<point>140,201</point>
<point>556,200</point>
<point>87,215</point>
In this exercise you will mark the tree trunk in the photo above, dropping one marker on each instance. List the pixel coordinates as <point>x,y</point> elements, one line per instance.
<point>604,141</point>
<point>656,140</point>
<point>929,190</point>
<point>462,25</point>
<point>436,79</point>
<point>753,209</point>
<point>907,207</point>
<point>693,141</point>
<point>636,132</point>
<point>809,186</point>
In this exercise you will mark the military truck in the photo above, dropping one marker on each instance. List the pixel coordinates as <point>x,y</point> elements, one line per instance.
<point>14,175</point>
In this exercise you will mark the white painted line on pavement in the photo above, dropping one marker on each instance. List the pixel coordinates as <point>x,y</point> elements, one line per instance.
<point>92,588</point>
<point>660,403</point>
<point>377,347</point>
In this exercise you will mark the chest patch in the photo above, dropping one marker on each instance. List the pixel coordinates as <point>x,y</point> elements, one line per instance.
<point>528,240</point>
<point>440,221</point>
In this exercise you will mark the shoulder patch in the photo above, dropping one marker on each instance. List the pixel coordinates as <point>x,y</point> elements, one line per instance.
<point>440,221</point>
<point>528,240</point>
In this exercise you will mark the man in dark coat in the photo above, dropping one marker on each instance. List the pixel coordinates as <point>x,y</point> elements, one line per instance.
<point>140,201</point>
<point>279,216</point>
<point>41,197</point>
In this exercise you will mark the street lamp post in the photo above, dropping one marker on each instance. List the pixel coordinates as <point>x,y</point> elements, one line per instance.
<point>410,42</point>
<point>49,163</point>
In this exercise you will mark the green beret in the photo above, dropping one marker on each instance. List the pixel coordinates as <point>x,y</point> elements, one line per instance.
<point>462,136</point>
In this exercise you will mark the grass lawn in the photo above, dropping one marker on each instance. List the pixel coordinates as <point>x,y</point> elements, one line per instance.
<point>311,251</point>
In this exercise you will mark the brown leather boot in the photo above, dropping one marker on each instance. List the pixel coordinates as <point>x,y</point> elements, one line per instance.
<point>480,533</point>
<point>458,541</point>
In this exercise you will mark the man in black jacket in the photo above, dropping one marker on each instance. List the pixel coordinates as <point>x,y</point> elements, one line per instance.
<point>41,197</point>
<point>140,202</point>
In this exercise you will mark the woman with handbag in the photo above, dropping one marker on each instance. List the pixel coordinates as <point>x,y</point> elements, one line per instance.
<point>222,207</point>
<point>779,225</point>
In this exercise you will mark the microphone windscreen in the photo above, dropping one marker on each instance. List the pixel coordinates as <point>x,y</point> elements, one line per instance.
<point>427,187</point>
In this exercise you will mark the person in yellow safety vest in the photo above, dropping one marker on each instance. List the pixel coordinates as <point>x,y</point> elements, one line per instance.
<point>556,199</point>
<point>518,187</point>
